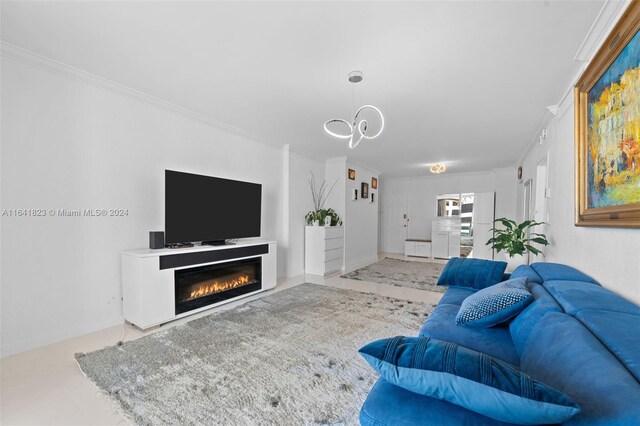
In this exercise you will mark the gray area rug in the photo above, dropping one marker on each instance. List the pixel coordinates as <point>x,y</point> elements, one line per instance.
<point>289,358</point>
<point>401,273</point>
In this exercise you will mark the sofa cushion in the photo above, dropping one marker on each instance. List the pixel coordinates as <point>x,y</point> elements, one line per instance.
<point>564,354</point>
<point>495,341</point>
<point>391,405</point>
<point>528,272</point>
<point>495,304</point>
<point>556,271</point>
<point>619,332</point>
<point>455,295</point>
<point>575,296</point>
<point>473,273</point>
<point>467,378</point>
<point>521,326</point>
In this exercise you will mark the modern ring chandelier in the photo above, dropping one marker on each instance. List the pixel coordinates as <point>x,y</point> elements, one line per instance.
<point>358,128</point>
<point>438,168</point>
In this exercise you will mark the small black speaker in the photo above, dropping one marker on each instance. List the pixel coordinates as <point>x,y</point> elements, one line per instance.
<point>156,239</point>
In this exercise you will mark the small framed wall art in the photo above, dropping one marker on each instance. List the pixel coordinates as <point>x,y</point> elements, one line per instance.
<point>352,174</point>
<point>364,190</point>
<point>354,196</point>
<point>374,183</point>
<point>372,198</point>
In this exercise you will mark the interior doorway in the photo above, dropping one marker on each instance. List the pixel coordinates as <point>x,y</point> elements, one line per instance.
<point>540,213</point>
<point>394,216</point>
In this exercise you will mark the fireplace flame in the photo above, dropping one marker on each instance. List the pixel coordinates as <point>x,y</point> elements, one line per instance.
<point>217,287</point>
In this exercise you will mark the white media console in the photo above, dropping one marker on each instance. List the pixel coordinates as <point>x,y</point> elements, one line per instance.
<point>149,277</point>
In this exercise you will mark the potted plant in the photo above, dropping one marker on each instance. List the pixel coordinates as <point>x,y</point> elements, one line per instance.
<point>320,215</point>
<point>516,239</point>
<point>326,217</point>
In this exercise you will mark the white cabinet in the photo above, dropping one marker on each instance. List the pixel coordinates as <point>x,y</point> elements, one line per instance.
<point>483,215</point>
<point>149,280</point>
<point>445,237</point>
<point>323,249</point>
<point>440,244</point>
<point>454,244</point>
<point>417,248</point>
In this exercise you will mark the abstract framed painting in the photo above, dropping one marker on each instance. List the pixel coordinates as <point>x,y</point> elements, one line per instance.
<point>607,130</point>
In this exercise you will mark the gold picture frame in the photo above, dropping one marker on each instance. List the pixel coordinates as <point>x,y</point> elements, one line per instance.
<point>374,183</point>
<point>607,138</point>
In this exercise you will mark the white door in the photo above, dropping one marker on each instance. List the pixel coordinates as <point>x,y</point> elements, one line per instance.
<point>394,223</point>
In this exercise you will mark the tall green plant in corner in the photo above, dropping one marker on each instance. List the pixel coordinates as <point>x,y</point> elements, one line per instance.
<point>516,239</point>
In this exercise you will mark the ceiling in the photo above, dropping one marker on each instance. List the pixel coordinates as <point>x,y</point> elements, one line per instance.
<point>465,83</point>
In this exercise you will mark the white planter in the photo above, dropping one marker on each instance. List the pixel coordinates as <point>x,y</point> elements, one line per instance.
<point>327,221</point>
<point>514,261</point>
<point>316,223</point>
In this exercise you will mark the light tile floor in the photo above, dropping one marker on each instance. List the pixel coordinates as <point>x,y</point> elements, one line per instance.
<point>46,387</point>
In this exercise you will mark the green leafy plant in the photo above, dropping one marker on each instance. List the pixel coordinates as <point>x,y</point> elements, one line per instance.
<point>516,239</point>
<point>320,216</point>
<point>319,196</point>
<point>311,217</point>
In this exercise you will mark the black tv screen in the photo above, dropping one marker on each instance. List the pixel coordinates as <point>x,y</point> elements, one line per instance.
<point>209,209</point>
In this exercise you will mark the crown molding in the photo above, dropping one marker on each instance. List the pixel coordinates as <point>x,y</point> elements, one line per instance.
<point>534,139</point>
<point>336,160</point>
<point>296,151</point>
<point>364,166</point>
<point>607,17</point>
<point>446,175</point>
<point>504,169</point>
<point>36,60</point>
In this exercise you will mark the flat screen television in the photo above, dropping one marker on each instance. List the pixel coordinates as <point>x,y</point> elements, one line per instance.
<point>209,209</point>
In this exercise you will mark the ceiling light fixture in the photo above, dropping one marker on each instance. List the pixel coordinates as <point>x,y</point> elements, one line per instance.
<point>357,129</point>
<point>438,168</point>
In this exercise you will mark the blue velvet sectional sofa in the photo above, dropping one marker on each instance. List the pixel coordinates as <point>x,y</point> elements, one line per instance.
<point>575,336</point>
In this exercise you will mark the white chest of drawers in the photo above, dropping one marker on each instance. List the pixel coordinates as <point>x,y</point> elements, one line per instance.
<point>323,249</point>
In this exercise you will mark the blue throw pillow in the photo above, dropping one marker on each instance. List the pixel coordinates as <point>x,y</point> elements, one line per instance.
<point>467,378</point>
<point>473,273</point>
<point>493,305</point>
<point>528,272</point>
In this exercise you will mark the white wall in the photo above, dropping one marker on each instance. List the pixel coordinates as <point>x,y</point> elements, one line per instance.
<point>612,256</point>
<point>361,225</point>
<point>360,218</point>
<point>300,202</point>
<point>71,145</point>
<point>419,194</point>
<point>335,172</point>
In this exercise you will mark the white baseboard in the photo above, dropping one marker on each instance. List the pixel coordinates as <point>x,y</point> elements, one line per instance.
<point>35,342</point>
<point>352,267</point>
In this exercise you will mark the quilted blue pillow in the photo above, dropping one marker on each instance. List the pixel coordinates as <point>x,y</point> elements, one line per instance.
<point>467,378</point>
<point>473,273</point>
<point>493,305</point>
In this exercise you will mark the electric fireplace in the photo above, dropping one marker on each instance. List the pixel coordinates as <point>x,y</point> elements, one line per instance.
<point>206,285</point>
